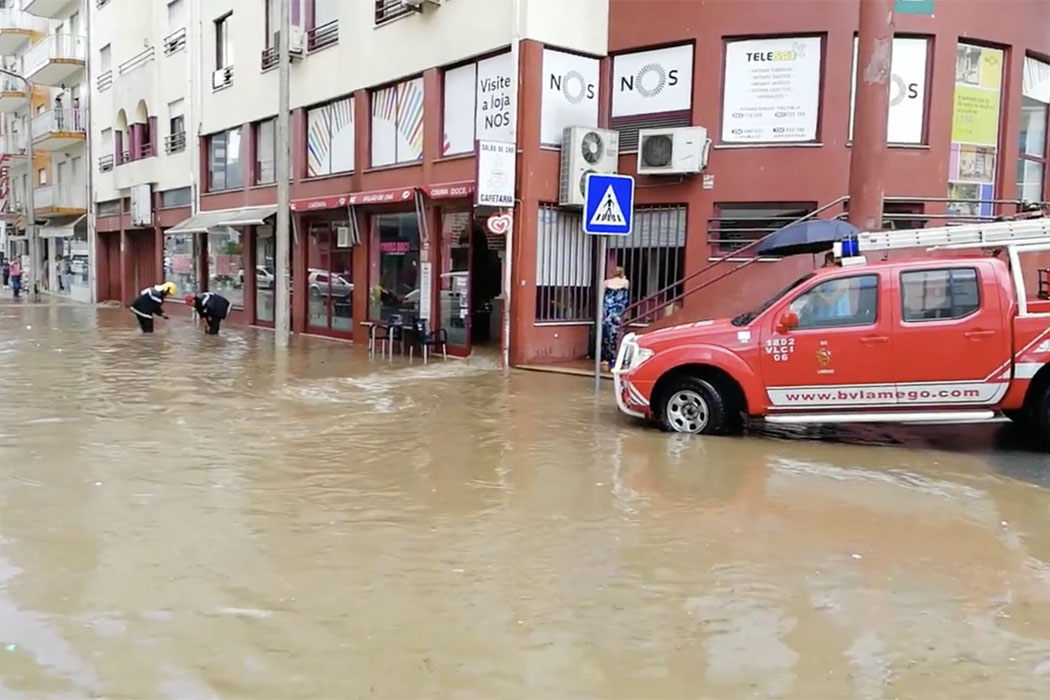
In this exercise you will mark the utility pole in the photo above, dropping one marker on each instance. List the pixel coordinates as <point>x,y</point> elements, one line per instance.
<point>30,215</point>
<point>871,114</point>
<point>282,306</point>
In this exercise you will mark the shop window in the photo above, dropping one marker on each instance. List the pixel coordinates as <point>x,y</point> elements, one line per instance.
<point>735,226</point>
<point>330,138</point>
<point>1031,165</point>
<point>397,123</point>
<point>838,303</point>
<point>265,151</point>
<point>180,262</point>
<point>179,197</point>
<point>564,267</point>
<point>329,282</point>
<point>265,274</point>
<point>224,161</point>
<point>938,295</point>
<point>975,131</point>
<point>394,289</point>
<point>225,264</point>
<point>653,256</point>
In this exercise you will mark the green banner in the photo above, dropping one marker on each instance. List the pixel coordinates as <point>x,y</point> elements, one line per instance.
<point>914,7</point>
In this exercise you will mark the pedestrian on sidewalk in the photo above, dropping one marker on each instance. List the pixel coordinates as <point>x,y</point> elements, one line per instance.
<point>16,278</point>
<point>150,303</point>
<point>212,308</point>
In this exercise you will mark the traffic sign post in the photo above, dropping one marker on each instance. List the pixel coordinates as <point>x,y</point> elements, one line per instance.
<point>608,211</point>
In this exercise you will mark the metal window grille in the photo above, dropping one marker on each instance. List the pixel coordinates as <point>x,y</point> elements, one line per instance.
<point>653,258</point>
<point>323,35</point>
<point>736,225</point>
<point>390,9</point>
<point>564,267</point>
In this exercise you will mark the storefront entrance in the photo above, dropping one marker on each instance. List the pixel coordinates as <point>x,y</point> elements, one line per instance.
<point>330,287</point>
<point>470,308</point>
<point>265,256</point>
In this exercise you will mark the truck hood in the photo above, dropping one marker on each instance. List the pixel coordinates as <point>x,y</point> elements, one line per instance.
<point>698,332</point>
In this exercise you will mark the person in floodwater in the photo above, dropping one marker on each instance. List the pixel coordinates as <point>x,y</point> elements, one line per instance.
<point>614,303</point>
<point>212,308</point>
<point>150,303</point>
<point>15,272</point>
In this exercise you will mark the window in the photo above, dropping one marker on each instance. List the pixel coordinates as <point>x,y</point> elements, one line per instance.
<point>109,208</point>
<point>223,42</point>
<point>330,280</point>
<point>180,262</point>
<point>265,152</point>
<point>653,257</point>
<point>176,139</point>
<point>324,24</point>
<point>41,176</point>
<point>273,18</point>
<point>105,58</point>
<point>225,267</point>
<point>396,258</point>
<point>397,123</point>
<point>846,301</point>
<point>1031,165</point>
<point>387,10</point>
<point>176,15</point>
<point>181,197</point>
<point>330,138</point>
<point>265,261</point>
<point>564,267</point>
<point>224,161</point>
<point>975,131</point>
<point>938,295</point>
<point>735,226</point>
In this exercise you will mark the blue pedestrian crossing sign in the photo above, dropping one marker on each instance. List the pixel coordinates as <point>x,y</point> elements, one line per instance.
<point>609,205</point>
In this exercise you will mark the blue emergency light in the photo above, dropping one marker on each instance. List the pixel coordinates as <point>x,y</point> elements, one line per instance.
<point>850,247</point>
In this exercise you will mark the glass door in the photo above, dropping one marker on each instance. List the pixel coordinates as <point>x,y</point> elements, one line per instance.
<point>265,276</point>
<point>454,290</point>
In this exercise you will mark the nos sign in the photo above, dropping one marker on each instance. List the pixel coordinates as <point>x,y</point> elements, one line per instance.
<point>651,82</point>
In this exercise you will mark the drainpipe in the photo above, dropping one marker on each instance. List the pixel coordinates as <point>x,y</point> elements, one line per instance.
<point>85,119</point>
<point>868,153</point>
<point>508,266</point>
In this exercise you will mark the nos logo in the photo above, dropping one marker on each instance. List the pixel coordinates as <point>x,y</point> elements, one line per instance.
<point>650,80</point>
<point>902,90</point>
<point>573,86</point>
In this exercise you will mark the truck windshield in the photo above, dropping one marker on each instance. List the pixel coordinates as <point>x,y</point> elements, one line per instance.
<point>746,318</point>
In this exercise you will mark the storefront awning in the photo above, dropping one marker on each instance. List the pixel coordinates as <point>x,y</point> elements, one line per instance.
<point>202,222</point>
<point>66,231</point>
<point>319,203</point>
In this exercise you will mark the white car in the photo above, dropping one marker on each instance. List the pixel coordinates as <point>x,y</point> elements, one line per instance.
<point>319,280</point>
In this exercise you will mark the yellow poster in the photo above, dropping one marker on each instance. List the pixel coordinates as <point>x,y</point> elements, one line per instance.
<point>976,116</point>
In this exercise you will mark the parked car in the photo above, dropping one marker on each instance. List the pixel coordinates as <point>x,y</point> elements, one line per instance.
<point>318,282</point>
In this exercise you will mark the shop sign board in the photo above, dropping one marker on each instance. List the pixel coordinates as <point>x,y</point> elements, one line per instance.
<point>653,82</point>
<point>496,163</point>
<point>570,94</point>
<point>772,90</point>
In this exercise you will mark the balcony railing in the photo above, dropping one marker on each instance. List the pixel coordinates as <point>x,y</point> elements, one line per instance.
<point>20,20</point>
<point>324,35</point>
<point>104,80</point>
<point>60,197</point>
<point>56,47</point>
<point>175,143</point>
<point>387,10</point>
<point>105,163</point>
<point>222,78</point>
<point>174,42</point>
<point>66,120</point>
<point>269,58</point>
<point>12,144</point>
<point>9,84</point>
<point>140,59</point>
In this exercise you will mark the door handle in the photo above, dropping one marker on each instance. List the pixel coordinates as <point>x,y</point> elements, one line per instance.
<point>978,334</point>
<point>875,339</point>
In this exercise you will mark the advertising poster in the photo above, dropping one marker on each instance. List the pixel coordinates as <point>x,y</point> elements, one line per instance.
<point>479,99</point>
<point>653,82</point>
<point>772,90</point>
<point>975,130</point>
<point>570,94</point>
<point>907,110</point>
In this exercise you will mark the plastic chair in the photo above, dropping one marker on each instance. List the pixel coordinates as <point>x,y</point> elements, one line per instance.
<point>426,340</point>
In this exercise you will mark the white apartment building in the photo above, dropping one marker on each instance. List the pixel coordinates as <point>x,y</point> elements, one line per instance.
<point>44,42</point>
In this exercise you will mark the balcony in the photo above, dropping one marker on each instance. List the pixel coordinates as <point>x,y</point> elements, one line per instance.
<point>55,60</point>
<point>175,143</point>
<point>53,201</point>
<point>13,95</point>
<point>18,29</point>
<point>58,129</point>
<point>13,147</point>
<point>52,9</point>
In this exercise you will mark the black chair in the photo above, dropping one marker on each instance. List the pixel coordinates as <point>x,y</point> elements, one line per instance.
<point>426,340</point>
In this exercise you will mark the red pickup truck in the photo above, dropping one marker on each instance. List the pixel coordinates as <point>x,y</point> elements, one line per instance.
<point>931,340</point>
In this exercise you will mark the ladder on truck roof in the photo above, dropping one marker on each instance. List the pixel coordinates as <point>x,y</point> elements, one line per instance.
<point>997,234</point>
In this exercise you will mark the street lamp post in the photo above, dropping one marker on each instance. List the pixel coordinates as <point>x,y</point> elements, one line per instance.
<point>30,215</point>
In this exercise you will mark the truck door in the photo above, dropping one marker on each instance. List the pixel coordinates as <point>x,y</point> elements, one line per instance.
<point>839,355</point>
<point>953,338</point>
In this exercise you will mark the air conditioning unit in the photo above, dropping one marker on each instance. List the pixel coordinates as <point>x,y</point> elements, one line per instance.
<point>296,43</point>
<point>681,151</point>
<point>419,4</point>
<point>222,78</point>
<point>585,150</point>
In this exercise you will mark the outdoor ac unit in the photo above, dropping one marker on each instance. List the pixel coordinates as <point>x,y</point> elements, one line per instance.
<point>585,150</point>
<point>296,43</point>
<point>680,151</point>
<point>222,78</point>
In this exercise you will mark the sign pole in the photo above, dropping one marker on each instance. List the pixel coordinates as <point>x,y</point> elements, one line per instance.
<point>599,299</point>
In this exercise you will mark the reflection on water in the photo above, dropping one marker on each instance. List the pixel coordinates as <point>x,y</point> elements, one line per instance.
<point>189,516</point>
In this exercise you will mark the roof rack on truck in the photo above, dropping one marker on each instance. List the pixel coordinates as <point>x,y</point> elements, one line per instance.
<point>984,235</point>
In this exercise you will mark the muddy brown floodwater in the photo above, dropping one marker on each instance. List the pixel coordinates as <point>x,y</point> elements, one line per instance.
<point>185,516</point>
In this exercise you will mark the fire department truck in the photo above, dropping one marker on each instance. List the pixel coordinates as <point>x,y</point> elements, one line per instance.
<point>958,337</point>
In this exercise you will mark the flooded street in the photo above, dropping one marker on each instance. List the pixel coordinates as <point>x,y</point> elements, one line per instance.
<point>189,516</point>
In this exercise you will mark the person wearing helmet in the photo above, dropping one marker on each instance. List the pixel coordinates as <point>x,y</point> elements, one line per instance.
<point>212,308</point>
<point>150,303</point>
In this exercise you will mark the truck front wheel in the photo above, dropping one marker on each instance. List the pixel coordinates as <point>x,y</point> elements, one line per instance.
<point>692,405</point>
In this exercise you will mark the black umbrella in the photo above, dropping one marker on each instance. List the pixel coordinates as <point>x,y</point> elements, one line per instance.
<point>813,236</point>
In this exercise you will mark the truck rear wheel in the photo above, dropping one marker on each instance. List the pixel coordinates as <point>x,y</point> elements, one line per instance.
<point>692,405</point>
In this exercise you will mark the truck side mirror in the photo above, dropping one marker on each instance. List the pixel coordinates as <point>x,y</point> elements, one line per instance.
<point>788,321</point>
